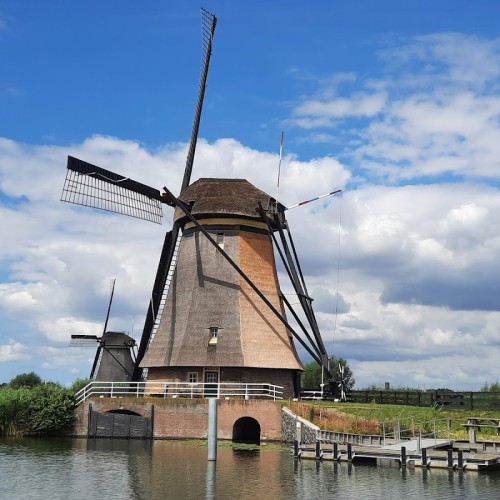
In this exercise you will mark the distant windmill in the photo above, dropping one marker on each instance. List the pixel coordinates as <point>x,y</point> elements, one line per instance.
<point>114,358</point>
<point>217,313</point>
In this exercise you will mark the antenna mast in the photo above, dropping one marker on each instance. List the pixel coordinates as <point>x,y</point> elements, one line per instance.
<point>279,170</point>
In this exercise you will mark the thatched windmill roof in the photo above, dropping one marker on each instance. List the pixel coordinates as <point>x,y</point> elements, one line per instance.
<point>224,197</point>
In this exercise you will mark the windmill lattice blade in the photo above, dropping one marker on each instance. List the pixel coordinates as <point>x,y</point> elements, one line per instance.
<point>208,23</point>
<point>113,281</point>
<point>83,341</point>
<point>95,187</point>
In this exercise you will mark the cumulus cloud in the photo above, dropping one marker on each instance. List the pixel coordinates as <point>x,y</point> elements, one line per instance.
<point>13,351</point>
<point>434,111</point>
<point>402,266</point>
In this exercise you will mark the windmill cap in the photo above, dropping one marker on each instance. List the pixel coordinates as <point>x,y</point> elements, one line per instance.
<point>222,198</point>
<point>117,339</point>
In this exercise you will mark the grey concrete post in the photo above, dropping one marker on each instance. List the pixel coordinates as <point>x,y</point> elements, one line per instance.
<point>212,429</point>
<point>472,435</point>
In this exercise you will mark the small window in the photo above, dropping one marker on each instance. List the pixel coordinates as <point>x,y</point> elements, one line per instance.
<point>193,377</point>
<point>213,334</point>
<point>220,240</point>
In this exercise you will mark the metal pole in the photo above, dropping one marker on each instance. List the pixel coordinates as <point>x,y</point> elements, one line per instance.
<point>212,429</point>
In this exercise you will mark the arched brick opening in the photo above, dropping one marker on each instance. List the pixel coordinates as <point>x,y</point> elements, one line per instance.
<point>125,412</point>
<point>246,430</point>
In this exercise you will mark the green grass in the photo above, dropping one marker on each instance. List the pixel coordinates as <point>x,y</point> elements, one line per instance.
<point>391,413</point>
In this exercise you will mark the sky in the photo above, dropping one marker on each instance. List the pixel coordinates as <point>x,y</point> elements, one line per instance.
<point>396,102</point>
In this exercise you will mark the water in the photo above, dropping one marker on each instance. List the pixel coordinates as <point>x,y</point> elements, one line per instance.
<point>104,469</point>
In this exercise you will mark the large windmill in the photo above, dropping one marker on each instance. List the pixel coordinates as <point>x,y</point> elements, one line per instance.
<point>217,313</point>
<point>114,357</point>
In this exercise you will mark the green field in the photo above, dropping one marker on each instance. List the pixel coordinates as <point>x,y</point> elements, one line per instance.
<point>372,418</point>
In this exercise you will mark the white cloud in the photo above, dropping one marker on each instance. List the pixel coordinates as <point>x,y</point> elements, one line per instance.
<point>417,281</point>
<point>435,111</point>
<point>417,275</point>
<point>13,351</point>
<point>340,107</point>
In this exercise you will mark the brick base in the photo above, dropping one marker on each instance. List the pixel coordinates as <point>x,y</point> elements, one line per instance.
<point>188,418</point>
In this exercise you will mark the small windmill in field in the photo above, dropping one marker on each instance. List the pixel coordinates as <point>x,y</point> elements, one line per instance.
<point>217,313</point>
<point>114,359</point>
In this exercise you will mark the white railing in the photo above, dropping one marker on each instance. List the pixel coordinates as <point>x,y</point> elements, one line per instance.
<point>397,431</point>
<point>179,390</point>
<point>311,395</point>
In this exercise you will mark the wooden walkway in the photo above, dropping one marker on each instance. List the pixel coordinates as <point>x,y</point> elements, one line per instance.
<point>435,453</point>
<point>414,445</point>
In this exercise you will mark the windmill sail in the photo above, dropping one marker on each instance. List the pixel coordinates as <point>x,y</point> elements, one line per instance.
<point>96,187</point>
<point>98,354</point>
<point>209,21</point>
<point>209,325</point>
<point>167,261</point>
<point>114,357</point>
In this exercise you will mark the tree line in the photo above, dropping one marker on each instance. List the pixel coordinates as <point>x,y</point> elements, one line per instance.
<point>31,407</point>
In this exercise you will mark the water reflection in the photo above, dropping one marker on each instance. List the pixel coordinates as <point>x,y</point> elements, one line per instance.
<point>105,469</point>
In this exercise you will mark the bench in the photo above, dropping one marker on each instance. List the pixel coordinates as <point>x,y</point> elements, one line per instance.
<point>477,423</point>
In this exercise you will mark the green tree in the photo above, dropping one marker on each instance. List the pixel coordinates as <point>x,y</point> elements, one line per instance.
<point>78,384</point>
<point>30,379</point>
<point>311,376</point>
<point>494,387</point>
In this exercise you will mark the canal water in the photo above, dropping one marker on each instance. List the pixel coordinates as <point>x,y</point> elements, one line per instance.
<point>77,469</point>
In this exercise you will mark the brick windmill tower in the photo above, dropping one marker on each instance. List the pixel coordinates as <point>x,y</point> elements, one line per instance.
<point>217,313</point>
<point>214,326</point>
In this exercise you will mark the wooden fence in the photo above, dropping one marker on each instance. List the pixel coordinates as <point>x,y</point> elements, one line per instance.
<point>448,399</point>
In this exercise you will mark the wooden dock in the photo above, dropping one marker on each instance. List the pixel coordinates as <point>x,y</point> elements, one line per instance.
<point>430,453</point>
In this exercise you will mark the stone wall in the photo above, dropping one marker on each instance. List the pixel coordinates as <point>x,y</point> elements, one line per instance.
<point>294,427</point>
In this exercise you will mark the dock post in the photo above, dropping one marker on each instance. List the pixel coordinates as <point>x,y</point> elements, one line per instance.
<point>460,459</point>
<point>472,435</point>
<point>212,429</point>
<point>450,459</point>
<point>318,453</point>
<point>349,452</point>
<point>424,457</point>
<point>335,451</point>
<point>298,431</point>
<point>295,448</point>
<point>403,456</point>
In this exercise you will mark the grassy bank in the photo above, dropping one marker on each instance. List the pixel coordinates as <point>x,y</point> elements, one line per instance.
<point>368,418</point>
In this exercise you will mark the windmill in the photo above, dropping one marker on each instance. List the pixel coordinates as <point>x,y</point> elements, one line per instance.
<point>216,312</point>
<point>114,358</point>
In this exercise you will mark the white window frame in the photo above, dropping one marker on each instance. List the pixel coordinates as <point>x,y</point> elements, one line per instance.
<point>213,334</point>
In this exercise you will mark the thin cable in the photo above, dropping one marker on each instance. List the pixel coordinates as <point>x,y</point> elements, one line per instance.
<point>338,277</point>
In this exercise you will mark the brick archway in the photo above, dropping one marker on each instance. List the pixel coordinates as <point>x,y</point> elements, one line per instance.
<point>246,430</point>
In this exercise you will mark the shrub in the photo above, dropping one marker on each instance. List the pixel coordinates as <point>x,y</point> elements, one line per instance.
<point>41,410</point>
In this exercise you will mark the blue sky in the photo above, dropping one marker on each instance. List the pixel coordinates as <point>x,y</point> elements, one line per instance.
<point>395,102</point>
